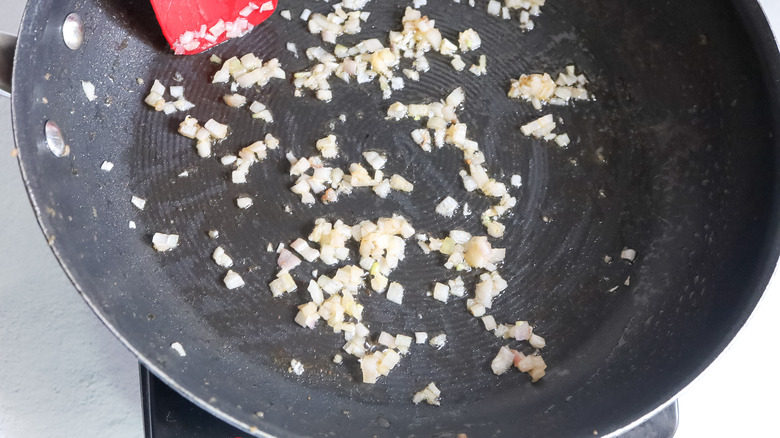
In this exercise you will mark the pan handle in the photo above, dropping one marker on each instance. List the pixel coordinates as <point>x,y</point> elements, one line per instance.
<point>7,52</point>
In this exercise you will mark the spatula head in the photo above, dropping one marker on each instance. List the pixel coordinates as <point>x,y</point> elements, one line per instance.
<point>192,26</point>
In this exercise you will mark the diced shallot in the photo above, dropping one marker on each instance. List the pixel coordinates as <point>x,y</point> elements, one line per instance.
<point>233,280</point>
<point>447,207</point>
<point>503,361</point>
<point>221,258</point>
<point>287,260</point>
<point>165,242</point>
<point>430,394</point>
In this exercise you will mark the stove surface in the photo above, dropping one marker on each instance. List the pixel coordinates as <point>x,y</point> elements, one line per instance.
<point>169,415</point>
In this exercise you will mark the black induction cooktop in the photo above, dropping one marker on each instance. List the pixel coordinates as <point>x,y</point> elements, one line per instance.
<point>169,415</point>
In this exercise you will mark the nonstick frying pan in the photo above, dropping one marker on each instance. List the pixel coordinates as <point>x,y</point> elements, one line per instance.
<point>676,158</point>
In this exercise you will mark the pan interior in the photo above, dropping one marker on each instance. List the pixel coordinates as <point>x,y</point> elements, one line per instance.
<point>674,158</point>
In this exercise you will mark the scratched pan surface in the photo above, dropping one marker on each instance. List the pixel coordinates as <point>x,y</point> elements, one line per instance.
<point>676,158</point>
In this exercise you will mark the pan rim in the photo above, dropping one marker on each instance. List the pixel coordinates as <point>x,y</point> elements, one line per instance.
<point>765,46</point>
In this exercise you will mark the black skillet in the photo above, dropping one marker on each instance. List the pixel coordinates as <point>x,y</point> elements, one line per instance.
<point>676,158</point>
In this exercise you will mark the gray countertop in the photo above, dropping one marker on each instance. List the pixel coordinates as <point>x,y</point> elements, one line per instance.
<point>65,375</point>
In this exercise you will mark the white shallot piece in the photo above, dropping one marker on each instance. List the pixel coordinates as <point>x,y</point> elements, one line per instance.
<point>307,315</point>
<point>534,365</point>
<point>296,367</point>
<point>490,286</point>
<point>503,361</point>
<point>334,299</point>
<point>301,247</point>
<point>528,8</point>
<point>375,159</point>
<point>443,128</point>
<point>234,100</point>
<point>441,292</point>
<point>400,184</point>
<point>244,202</point>
<point>378,363</point>
<point>328,146</point>
<point>338,22</point>
<point>165,242</point>
<point>249,71</point>
<point>217,130</point>
<point>395,293</point>
<point>221,258</point>
<point>206,37</point>
<point>284,283</point>
<point>469,40</point>
<point>438,341</point>
<point>447,207</point>
<point>403,343</point>
<point>540,88</point>
<point>89,90</point>
<point>543,128</point>
<point>490,322</point>
<point>156,98</point>
<point>287,260</point>
<point>248,156</point>
<point>204,135</point>
<point>261,112</point>
<point>457,63</point>
<point>233,280</point>
<point>539,128</point>
<point>479,69</point>
<point>467,252</point>
<point>315,177</point>
<point>370,60</point>
<point>140,203</point>
<point>431,394</point>
<point>179,349</point>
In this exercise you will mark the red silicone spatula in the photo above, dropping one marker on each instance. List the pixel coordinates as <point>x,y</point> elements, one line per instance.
<point>192,26</point>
